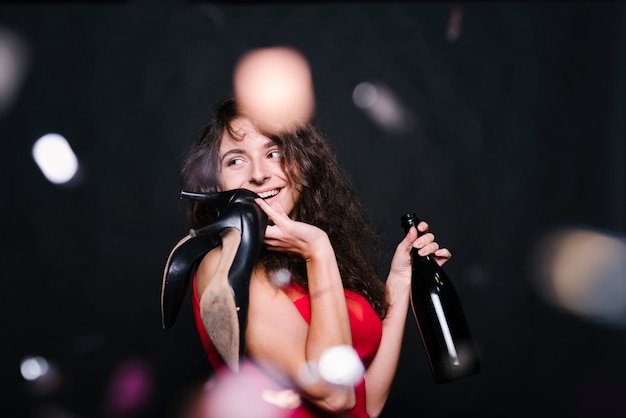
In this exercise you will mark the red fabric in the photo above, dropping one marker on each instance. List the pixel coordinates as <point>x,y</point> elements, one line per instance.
<point>366,335</point>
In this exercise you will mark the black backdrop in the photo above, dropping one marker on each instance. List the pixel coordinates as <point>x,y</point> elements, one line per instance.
<point>519,127</point>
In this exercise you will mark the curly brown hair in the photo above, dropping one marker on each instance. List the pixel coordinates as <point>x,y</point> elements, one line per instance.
<point>327,200</point>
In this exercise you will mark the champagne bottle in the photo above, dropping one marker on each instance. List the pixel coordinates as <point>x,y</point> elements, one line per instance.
<point>442,325</point>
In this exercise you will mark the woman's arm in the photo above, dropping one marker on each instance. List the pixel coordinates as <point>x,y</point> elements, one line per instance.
<point>277,335</point>
<point>380,374</point>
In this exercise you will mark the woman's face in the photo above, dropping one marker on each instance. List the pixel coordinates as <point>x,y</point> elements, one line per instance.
<point>253,162</point>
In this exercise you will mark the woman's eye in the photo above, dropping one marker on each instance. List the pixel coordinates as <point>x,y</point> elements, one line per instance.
<point>274,154</point>
<point>234,161</point>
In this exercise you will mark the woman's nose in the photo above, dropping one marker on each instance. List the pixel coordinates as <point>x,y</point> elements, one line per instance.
<point>259,173</point>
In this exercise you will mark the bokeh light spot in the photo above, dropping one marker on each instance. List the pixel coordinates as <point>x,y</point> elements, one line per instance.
<point>248,393</point>
<point>34,367</point>
<point>274,88</point>
<point>364,95</point>
<point>383,107</point>
<point>341,365</point>
<point>130,388</point>
<point>583,271</point>
<point>281,278</point>
<point>14,63</point>
<point>55,158</point>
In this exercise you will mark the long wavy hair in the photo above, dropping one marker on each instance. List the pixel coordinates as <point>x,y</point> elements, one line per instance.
<point>327,200</point>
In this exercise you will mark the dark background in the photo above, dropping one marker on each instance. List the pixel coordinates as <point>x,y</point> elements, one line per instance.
<point>519,127</point>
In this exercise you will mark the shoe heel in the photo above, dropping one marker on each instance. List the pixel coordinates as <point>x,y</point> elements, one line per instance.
<point>178,271</point>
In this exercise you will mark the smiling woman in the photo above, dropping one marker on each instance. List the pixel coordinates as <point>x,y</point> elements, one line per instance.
<point>328,300</point>
<point>250,160</point>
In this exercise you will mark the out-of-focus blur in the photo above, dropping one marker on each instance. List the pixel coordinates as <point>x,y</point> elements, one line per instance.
<point>274,88</point>
<point>494,121</point>
<point>583,270</point>
<point>15,57</point>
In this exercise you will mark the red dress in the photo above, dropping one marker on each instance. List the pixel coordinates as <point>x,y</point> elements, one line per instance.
<point>263,393</point>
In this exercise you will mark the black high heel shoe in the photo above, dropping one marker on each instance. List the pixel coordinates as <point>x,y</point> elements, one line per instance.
<point>235,209</point>
<point>220,201</point>
<point>178,271</point>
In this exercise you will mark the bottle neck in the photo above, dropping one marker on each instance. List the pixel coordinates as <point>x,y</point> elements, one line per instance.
<point>410,220</point>
<point>407,227</point>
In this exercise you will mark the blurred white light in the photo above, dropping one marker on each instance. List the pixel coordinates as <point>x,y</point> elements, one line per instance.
<point>383,107</point>
<point>341,365</point>
<point>365,95</point>
<point>584,272</point>
<point>281,277</point>
<point>32,368</point>
<point>55,158</point>
<point>14,58</point>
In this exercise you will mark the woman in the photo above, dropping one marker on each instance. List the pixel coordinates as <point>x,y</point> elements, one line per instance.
<point>318,233</point>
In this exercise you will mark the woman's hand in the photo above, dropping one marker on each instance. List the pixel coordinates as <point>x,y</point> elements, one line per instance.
<point>426,244</point>
<point>286,235</point>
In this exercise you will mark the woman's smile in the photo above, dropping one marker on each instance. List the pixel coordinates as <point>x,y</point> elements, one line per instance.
<point>250,160</point>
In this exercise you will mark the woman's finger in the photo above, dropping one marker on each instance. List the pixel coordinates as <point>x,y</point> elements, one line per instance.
<point>424,240</point>
<point>443,253</point>
<point>422,227</point>
<point>273,211</point>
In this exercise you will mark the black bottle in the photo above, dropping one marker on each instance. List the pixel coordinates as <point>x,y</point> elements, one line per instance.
<point>442,325</point>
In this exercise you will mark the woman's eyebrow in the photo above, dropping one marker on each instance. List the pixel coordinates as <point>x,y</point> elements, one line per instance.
<point>269,144</point>
<point>231,152</point>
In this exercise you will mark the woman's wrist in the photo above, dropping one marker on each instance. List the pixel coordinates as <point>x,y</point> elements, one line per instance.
<point>398,287</point>
<point>318,248</point>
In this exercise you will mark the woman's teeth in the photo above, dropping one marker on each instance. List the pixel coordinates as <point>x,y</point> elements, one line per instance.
<point>268,194</point>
